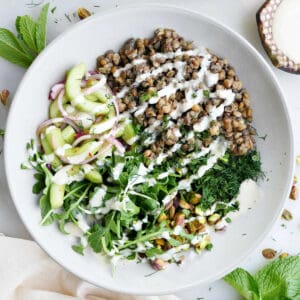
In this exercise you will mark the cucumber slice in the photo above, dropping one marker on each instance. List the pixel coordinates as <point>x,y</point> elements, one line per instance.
<point>77,154</point>
<point>48,151</point>
<point>74,93</point>
<point>94,176</point>
<point>103,126</point>
<point>68,134</point>
<point>54,137</point>
<point>53,110</point>
<point>57,193</point>
<point>128,133</point>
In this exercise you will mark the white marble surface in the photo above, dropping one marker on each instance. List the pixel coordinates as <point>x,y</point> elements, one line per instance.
<point>239,15</point>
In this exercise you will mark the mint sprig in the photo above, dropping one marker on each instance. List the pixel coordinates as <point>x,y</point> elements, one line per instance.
<point>30,41</point>
<point>279,280</point>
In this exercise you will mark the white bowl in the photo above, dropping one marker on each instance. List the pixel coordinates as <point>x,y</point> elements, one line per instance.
<point>83,43</point>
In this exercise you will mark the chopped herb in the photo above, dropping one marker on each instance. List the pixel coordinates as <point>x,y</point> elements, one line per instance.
<point>206,93</point>
<point>228,220</point>
<point>194,95</point>
<point>209,247</point>
<point>53,9</point>
<point>2,133</point>
<point>78,248</point>
<point>68,17</point>
<point>147,96</point>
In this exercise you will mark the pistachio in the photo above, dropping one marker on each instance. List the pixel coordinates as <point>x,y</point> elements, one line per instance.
<point>179,218</point>
<point>195,199</point>
<point>172,212</point>
<point>287,215</point>
<point>283,255</point>
<point>213,219</point>
<point>294,193</point>
<point>159,242</point>
<point>83,13</point>
<point>162,217</point>
<point>158,264</point>
<point>269,253</point>
<point>4,96</point>
<point>184,204</point>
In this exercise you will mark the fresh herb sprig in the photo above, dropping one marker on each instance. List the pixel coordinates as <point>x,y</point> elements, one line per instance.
<point>279,280</point>
<point>22,49</point>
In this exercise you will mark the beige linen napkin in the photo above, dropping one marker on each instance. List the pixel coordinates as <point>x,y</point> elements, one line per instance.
<point>27,273</point>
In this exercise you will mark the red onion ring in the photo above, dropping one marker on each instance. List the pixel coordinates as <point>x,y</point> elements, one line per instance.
<point>56,120</point>
<point>117,143</point>
<point>95,87</point>
<point>81,139</point>
<point>55,90</point>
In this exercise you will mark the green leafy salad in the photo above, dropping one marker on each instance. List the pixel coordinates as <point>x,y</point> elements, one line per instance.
<point>100,169</point>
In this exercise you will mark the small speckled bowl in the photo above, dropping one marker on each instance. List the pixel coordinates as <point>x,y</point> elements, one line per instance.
<point>264,18</point>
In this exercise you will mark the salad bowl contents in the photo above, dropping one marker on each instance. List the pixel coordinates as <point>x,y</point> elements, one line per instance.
<point>142,161</point>
<point>146,154</point>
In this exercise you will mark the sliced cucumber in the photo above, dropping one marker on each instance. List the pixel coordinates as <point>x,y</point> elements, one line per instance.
<point>57,193</point>
<point>103,126</point>
<point>94,176</point>
<point>74,93</point>
<point>76,155</point>
<point>129,132</point>
<point>54,137</point>
<point>54,112</point>
<point>68,134</point>
<point>55,162</point>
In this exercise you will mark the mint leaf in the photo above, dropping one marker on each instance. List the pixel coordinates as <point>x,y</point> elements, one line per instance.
<point>244,283</point>
<point>12,50</point>
<point>27,29</point>
<point>40,35</point>
<point>280,279</point>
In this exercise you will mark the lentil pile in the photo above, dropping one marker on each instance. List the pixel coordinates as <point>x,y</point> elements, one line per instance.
<point>234,124</point>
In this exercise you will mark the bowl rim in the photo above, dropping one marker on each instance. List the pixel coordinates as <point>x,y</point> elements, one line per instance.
<point>123,9</point>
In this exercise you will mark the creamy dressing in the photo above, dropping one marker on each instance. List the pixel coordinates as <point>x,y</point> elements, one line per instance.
<point>117,170</point>
<point>286,24</point>
<point>97,198</point>
<point>216,112</point>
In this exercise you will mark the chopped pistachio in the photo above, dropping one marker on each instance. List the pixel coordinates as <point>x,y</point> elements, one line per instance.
<point>269,253</point>
<point>83,13</point>
<point>287,215</point>
<point>4,94</point>
<point>213,219</point>
<point>294,193</point>
<point>283,255</point>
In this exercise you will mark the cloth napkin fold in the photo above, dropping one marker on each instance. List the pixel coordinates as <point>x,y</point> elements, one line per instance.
<point>27,273</point>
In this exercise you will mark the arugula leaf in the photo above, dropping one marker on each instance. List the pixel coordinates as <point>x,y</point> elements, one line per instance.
<point>46,210</point>
<point>244,283</point>
<point>41,26</point>
<point>12,50</point>
<point>27,30</point>
<point>280,279</point>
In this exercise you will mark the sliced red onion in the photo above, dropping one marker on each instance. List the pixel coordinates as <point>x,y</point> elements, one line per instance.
<point>117,143</point>
<point>95,87</point>
<point>55,90</point>
<point>61,107</point>
<point>53,121</point>
<point>81,139</point>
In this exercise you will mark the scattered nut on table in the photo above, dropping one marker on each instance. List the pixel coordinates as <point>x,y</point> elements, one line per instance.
<point>294,192</point>
<point>4,94</point>
<point>269,253</point>
<point>83,13</point>
<point>287,215</point>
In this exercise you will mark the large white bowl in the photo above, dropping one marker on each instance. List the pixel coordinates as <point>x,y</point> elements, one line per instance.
<point>83,43</point>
